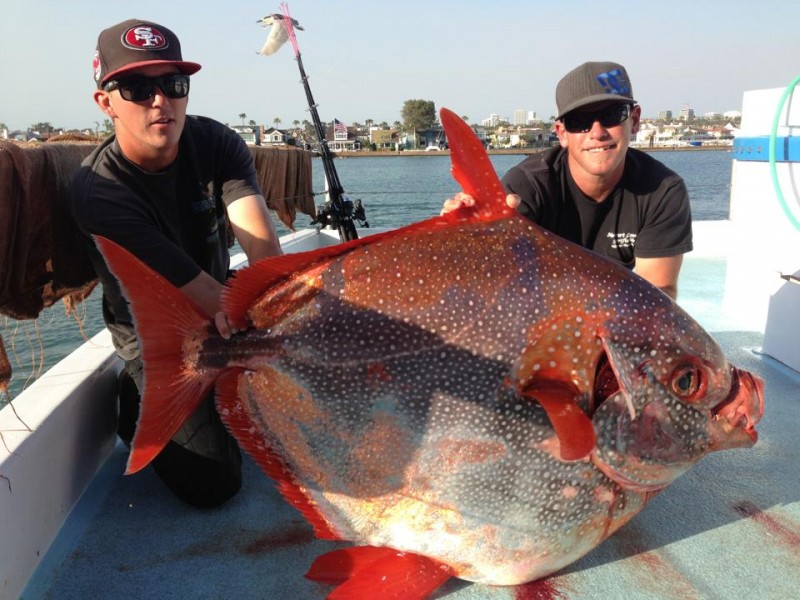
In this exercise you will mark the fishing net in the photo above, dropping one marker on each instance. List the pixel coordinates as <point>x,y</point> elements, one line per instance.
<point>288,194</point>
<point>42,257</point>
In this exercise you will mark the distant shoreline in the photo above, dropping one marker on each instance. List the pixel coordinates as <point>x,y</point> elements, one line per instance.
<point>518,151</point>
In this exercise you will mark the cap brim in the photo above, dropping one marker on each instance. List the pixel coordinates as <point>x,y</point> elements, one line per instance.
<point>185,67</point>
<point>596,99</point>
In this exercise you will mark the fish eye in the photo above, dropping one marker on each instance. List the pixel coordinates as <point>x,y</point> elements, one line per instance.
<point>687,381</point>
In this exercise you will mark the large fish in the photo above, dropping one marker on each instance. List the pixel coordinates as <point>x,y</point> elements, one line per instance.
<point>469,396</point>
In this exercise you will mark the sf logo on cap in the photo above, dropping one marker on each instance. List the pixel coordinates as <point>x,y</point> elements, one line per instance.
<point>144,37</point>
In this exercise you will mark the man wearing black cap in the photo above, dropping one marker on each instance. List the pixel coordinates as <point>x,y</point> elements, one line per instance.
<point>596,191</point>
<point>166,186</point>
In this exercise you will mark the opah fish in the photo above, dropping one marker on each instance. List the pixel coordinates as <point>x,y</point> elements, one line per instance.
<point>468,396</point>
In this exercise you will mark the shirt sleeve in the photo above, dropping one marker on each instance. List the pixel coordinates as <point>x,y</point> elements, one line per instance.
<point>667,225</point>
<point>515,181</point>
<point>238,173</point>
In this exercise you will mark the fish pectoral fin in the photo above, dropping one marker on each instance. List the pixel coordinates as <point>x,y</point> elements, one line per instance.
<point>375,572</point>
<point>572,426</point>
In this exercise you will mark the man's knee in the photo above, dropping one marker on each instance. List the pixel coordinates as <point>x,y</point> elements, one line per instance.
<point>199,480</point>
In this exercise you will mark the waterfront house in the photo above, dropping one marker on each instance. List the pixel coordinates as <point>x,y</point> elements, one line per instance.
<point>341,138</point>
<point>275,137</point>
<point>252,135</point>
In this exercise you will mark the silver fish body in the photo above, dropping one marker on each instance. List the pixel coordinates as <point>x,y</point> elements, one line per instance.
<point>403,400</point>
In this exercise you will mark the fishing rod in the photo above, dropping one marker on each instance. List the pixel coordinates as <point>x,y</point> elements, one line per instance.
<point>338,212</point>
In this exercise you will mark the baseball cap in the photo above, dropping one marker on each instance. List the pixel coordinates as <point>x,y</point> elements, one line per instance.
<point>593,82</point>
<point>135,43</point>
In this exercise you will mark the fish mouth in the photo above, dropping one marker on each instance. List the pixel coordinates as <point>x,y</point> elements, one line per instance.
<point>734,419</point>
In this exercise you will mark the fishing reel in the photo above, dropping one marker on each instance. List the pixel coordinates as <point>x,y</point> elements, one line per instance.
<point>328,217</point>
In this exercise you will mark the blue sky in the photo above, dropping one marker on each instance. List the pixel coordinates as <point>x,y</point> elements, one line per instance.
<point>366,57</point>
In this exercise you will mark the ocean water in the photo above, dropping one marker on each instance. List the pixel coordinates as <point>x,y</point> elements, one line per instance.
<point>395,191</point>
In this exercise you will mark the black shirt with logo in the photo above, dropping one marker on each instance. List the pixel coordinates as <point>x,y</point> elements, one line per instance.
<point>174,220</point>
<point>647,215</point>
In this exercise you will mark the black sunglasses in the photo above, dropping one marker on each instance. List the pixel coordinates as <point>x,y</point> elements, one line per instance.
<point>138,88</point>
<point>581,122</point>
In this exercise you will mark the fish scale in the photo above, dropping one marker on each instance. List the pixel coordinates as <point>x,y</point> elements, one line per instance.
<point>471,393</point>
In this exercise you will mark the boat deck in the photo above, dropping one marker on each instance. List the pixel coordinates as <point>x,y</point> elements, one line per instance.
<point>730,528</point>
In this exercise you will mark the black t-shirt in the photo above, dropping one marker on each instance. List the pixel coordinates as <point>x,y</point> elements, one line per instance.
<point>647,215</point>
<point>174,220</point>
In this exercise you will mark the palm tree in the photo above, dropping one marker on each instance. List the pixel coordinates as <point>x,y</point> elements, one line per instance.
<point>252,123</point>
<point>465,118</point>
<point>277,122</point>
<point>242,116</point>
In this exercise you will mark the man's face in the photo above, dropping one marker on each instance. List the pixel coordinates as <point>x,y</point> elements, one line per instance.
<point>600,150</point>
<point>148,131</point>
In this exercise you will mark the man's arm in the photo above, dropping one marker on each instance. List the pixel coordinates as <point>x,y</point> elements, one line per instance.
<point>661,272</point>
<point>205,291</point>
<point>253,227</point>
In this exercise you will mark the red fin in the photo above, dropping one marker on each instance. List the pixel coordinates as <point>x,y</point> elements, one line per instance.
<point>473,170</point>
<point>250,283</point>
<point>242,291</point>
<point>340,565</point>
<point>381,574</point>
<point>573,427</point>
<point>247,434</point>
<point>164,318</point>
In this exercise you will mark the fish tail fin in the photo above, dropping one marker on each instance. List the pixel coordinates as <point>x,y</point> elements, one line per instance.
<point>473,170</point>
<point>164,318</point>
<point>374,572</point>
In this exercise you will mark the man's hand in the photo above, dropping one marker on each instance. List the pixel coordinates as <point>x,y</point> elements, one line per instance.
<point>465,200</point>
<point>226,330</point>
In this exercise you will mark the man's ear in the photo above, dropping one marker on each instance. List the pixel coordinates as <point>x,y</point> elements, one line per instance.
<point>636,117</point>
<point>103,100</point>
<point>561,132</point>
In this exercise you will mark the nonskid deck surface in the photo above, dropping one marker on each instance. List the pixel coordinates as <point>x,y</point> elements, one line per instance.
<point>730,528</point>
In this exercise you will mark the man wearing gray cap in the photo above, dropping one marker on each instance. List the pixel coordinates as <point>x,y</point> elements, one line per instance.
<point>596,191</point>
<point>166,186</point>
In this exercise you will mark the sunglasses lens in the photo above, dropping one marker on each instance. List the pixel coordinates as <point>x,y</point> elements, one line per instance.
<point>139,89</point>
<point>577,123</point>
<point>174,86</point>
<point>582,122</point>
<point>136,90</point>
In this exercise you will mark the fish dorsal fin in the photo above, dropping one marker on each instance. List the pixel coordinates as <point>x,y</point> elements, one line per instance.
<point>473,170</point>
<point>373,572</point>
